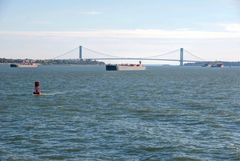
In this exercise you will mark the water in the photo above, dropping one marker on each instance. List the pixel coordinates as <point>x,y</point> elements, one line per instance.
<point>86,113</point>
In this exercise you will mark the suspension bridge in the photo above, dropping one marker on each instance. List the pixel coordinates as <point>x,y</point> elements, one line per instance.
<point>100,56</point>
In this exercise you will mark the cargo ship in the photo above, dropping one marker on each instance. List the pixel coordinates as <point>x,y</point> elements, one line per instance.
<point>125,67</point>
<point>25,64</point>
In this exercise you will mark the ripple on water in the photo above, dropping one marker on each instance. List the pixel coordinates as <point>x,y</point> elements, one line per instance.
<point>163,113</point>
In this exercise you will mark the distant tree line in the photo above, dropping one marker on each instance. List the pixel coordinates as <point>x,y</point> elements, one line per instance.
<point>4,60</point>
<point>225,63</point>
<point>55,61</point>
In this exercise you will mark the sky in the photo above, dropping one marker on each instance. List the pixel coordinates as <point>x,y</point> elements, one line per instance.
<point>128,28</point>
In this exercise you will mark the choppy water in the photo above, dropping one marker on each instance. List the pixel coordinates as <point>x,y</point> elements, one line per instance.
<point>86,113</point>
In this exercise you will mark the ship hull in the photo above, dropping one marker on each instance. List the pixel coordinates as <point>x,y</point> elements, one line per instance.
<point>24,65</point>
<point>116,67</point>
<point>111,67</point>
<point>13,65</point>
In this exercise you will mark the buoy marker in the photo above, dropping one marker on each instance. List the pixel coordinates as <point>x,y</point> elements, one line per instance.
<point>37,88</point>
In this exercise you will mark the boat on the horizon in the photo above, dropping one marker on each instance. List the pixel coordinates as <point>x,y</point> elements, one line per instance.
<point>214,65</point>
<point>218,65</point>
<point>25,64</point>
<point>125,67</point>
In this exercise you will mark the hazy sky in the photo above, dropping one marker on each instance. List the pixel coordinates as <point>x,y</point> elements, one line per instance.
<point>137,28</point>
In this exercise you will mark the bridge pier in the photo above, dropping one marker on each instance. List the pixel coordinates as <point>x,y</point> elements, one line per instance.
<point>181,57</point>
<point>80,52</point>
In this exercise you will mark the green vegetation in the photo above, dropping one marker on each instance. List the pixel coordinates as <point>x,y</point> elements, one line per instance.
<point>55,61</point>
<point>225,63</point>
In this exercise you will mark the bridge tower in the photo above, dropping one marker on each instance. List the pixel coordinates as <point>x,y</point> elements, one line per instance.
<point>80,52</point>
<point>181,57</point>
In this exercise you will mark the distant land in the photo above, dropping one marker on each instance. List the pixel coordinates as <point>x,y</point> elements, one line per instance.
<point>94,62</point>
<point>54,61</point>
<point>225,63</point>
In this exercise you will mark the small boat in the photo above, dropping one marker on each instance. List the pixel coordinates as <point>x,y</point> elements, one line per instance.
<point>206,65</point>
<point>214,65</point>
<point>217,65</point>
<point>25,64</point>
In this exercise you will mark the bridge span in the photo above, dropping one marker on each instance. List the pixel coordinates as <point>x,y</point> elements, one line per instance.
<point>181,59</point>
<point>103,56</point>
<point>149,59</point>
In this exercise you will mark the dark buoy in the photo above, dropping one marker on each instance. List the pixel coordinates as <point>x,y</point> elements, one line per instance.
<point>37,88</point>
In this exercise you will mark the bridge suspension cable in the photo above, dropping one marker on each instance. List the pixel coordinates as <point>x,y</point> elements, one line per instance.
<point>66,53</point>
<point>113,57</point>
<point>100,53</point>
<point>190,53</point>
<point>166,53</point>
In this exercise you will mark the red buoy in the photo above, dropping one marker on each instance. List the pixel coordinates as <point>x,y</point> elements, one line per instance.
<point>37,88</point>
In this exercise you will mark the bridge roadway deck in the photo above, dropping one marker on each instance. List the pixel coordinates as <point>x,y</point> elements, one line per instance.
<point>151,59</point>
